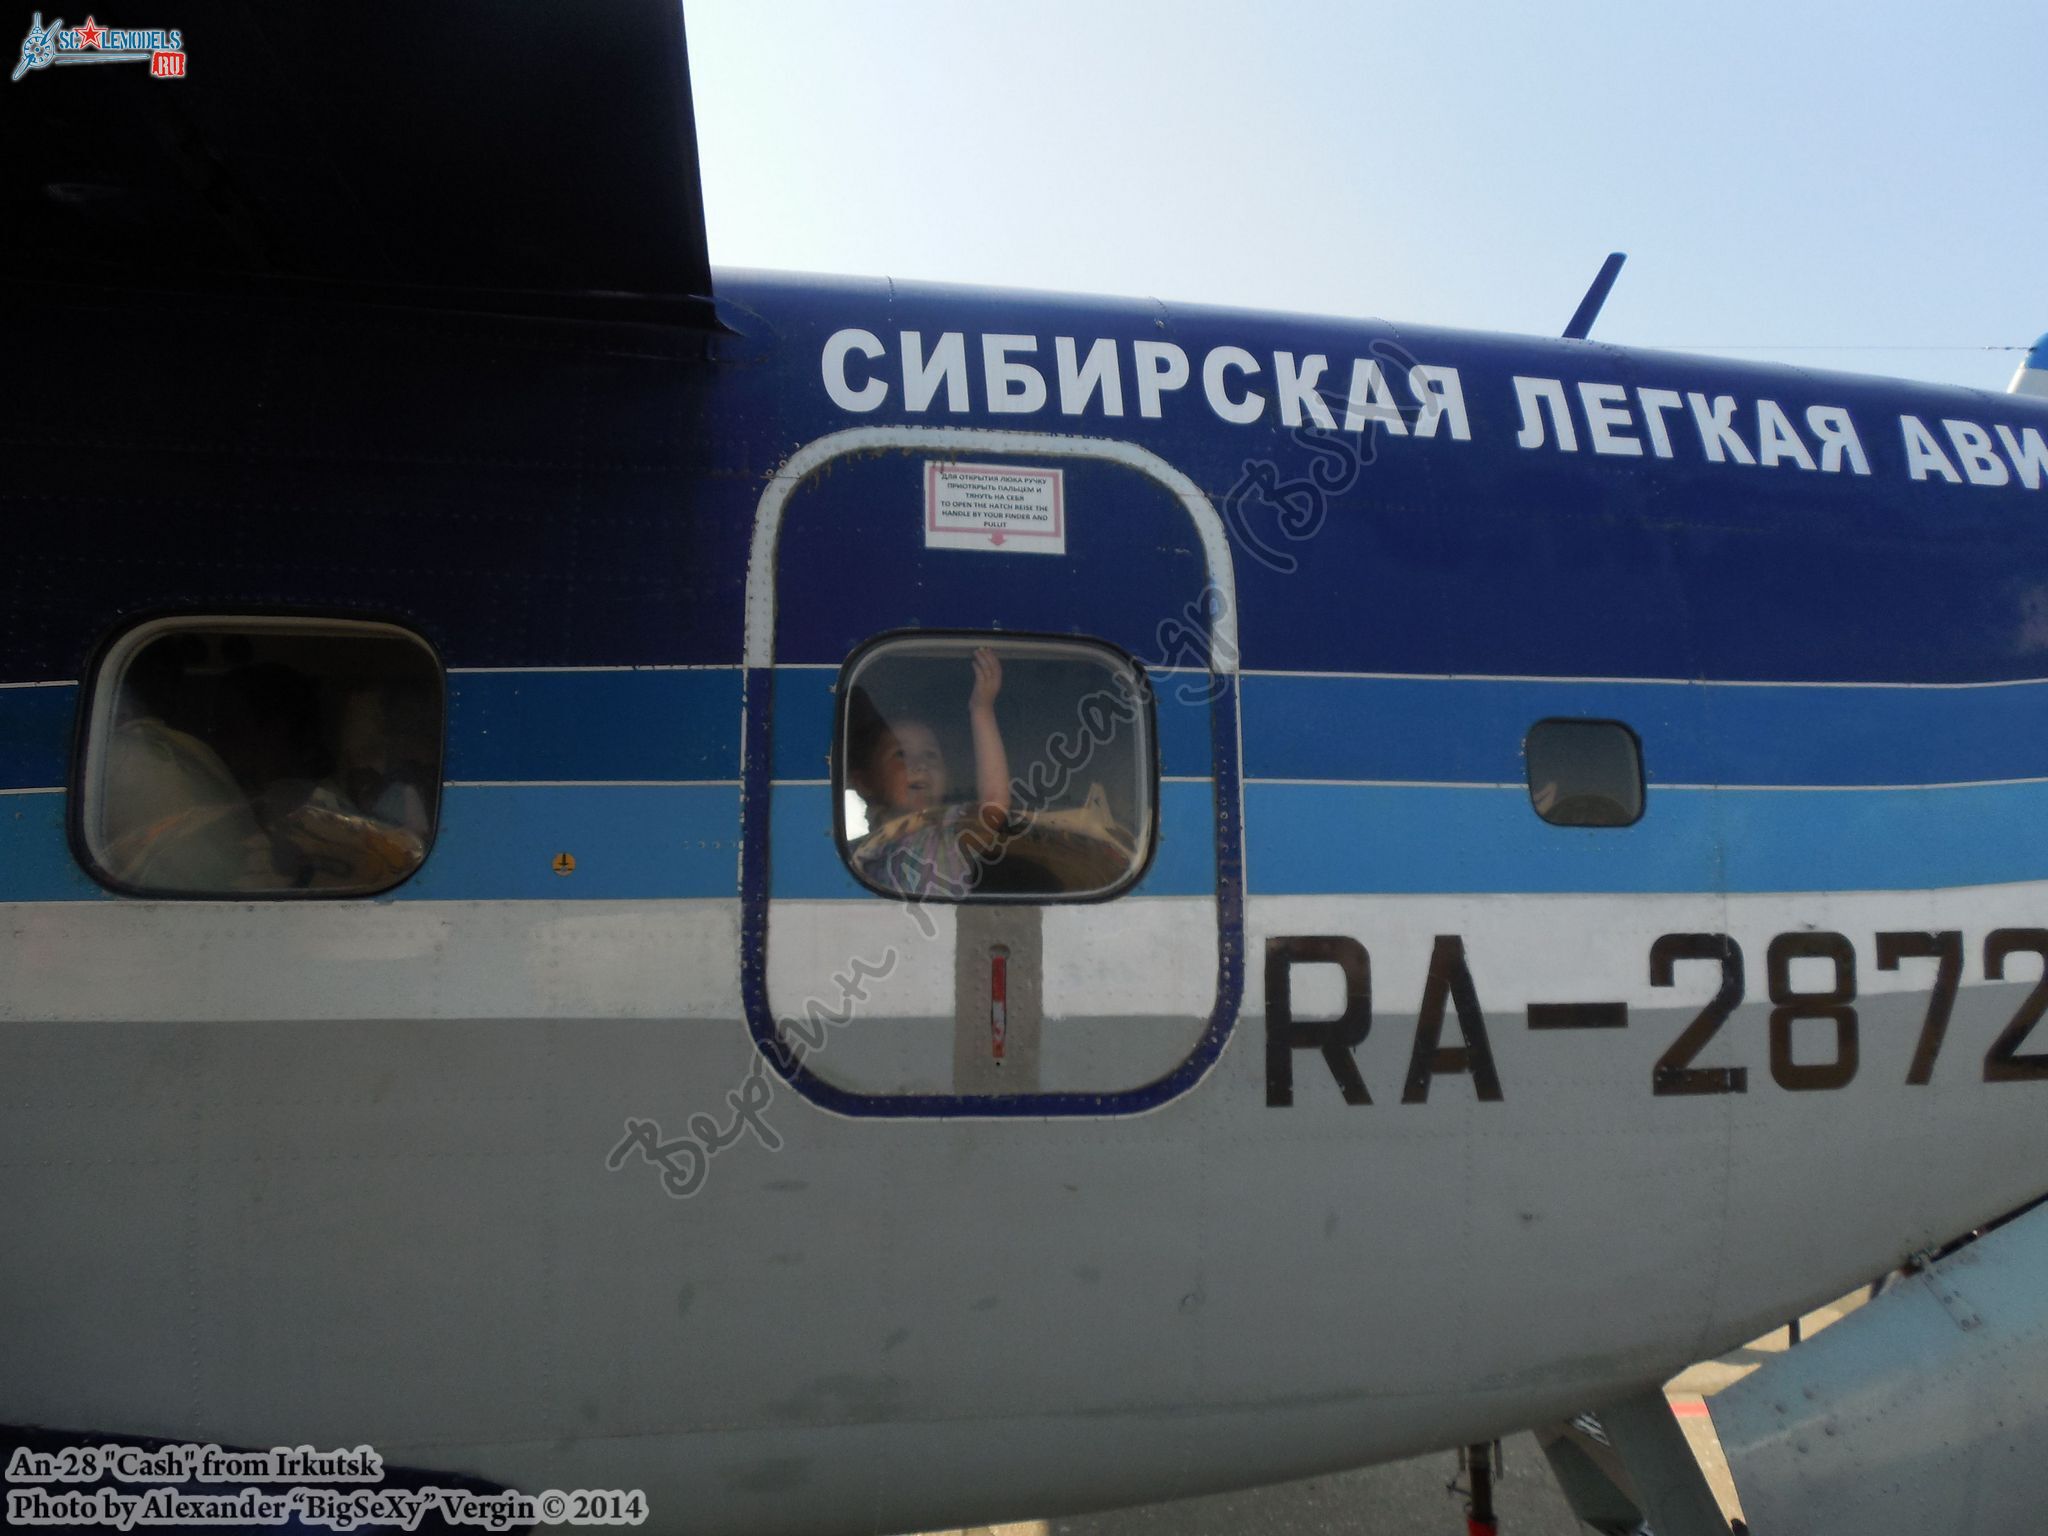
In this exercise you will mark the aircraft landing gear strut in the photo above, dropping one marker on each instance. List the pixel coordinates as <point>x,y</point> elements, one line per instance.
<point>1479,1465</point>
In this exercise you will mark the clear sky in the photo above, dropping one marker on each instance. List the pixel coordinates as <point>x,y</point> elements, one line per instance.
<point>1851,186</point>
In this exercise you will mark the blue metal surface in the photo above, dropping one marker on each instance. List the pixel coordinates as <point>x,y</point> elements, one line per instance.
<point>35,736</point>
<point>1431,730</point>
<point>581,496</point>
<point>684,726</point>
<point>594,725</point>
<point>669,841</point>
<point>845,568</point>
<point>1221,844</point>
<point>549,496</point>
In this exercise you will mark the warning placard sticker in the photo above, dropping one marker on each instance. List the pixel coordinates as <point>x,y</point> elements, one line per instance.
<point>1001,508</point>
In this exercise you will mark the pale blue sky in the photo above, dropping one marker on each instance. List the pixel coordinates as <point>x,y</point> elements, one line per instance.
<point>1865,178</point>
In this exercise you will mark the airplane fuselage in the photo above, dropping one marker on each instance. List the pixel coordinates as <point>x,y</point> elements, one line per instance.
<point>633,1143</point>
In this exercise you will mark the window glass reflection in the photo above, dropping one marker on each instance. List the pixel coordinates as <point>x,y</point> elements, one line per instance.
<point>1585,773</point>
<point>263,757</point>
<point>995,768</point>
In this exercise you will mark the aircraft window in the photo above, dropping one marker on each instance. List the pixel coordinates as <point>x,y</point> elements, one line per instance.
<point>262,757</point>
<point>988,767</point>
<point>1585,773</point>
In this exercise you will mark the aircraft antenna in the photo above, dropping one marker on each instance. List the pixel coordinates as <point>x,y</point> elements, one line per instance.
<point>1589,307</point>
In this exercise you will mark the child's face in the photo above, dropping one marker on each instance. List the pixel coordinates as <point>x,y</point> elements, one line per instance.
<point>908,771</point>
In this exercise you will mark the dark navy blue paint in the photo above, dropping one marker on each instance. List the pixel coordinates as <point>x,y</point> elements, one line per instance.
<point>1406,730</point>
<point>1431,730</point>
<point>563,494</point>
<point>852,563</point>
<point>1181,716</point>
<point>599,727</point>
<point>573,495</point>
<point>35,736</point>
<point>594,725</point>
<point>805,705</point>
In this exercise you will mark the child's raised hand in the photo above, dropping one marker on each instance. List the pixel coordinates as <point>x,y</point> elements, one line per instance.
<point>988,679</point>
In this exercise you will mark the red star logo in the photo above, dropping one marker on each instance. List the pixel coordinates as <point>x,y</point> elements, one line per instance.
<point>89,34</point>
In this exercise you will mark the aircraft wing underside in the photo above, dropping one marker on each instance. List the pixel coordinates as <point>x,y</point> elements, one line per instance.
<point>468,156</point>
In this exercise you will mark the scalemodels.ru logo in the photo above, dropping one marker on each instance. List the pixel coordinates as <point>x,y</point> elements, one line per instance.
<point>90,43</point>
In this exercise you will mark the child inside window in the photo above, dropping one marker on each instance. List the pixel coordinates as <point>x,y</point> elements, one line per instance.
<point>918,844</point>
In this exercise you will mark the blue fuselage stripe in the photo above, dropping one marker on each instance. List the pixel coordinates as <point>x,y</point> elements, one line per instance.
<point>684,726</point>
<point>1316,839</point>
<point>594,725</point>
<point>635,841</point>
<point>35,736</point>
<point>1441,730</point>
<point>530,725</point>
<point>627,840</point>
<point>1356,784</point>
<point>495,843</point>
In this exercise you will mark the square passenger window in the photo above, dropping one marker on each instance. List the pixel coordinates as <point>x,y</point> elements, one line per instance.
<point>261,757</point>
<point>1585,773</point>
<point>994,768</point>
